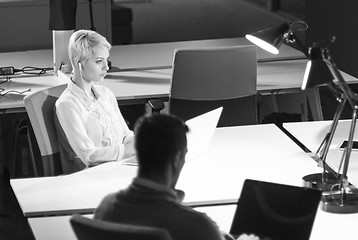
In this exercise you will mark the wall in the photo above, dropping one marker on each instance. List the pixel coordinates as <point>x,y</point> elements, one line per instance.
<point>24,24</point>
<point>338,18</point>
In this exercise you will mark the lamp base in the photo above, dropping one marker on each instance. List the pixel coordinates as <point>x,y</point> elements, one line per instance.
<point>315,181</point>
<point>337,203</point>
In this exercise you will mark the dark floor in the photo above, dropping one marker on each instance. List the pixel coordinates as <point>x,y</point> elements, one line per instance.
<point>13,224</point>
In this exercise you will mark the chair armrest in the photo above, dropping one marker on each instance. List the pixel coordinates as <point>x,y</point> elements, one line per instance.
<point>156,104</point>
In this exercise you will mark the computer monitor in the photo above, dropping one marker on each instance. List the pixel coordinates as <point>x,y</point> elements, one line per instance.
<point>61,59</point>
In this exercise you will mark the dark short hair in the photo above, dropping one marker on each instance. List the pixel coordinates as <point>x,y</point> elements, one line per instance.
<point>158,137</point>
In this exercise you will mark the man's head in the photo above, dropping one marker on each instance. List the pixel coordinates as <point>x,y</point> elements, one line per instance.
<point>160,143</point>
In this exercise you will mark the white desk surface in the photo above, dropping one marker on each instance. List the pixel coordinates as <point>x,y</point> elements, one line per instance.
<point>133,86</point>
<point>271,76</point>
<point>21,59</point>
<point>277,77</point>
<point>311,134</point>
<point>154,55</point>
<point>237,153</point>
<point>26,84</point>
<point>145,84</point>
<point>129,86</point>
<point>326,226</point>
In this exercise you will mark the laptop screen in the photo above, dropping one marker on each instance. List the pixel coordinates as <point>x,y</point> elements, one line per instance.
<point>275,211</point>
<point>199,137</point>
<point>201,132</point>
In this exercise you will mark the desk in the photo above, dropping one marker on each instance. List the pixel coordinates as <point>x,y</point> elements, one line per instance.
<point>236,153</point>
<point>140,85</point>
<point>281,76</point>
<point>272,77</point>
<point>275,72</point>
<point>311,134</point>
<point>20,59</point>
<point>138,56</point>
<point>160,55</point>
<point>13,102</point>
<point>326,226</point>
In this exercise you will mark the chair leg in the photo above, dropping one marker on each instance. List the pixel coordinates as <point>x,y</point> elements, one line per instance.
<point>20,128</point>
<point>13,164</point>
<point>14,158</point>
<point>32,156</point>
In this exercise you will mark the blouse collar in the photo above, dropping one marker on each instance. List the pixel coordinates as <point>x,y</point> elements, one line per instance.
<point>81,95</point>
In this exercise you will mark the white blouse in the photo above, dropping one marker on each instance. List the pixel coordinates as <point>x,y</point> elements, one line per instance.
<point>94,127</point>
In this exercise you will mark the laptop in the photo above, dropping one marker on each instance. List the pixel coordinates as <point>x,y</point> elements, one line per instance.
<point>201,132</point>
<point>274,211</point>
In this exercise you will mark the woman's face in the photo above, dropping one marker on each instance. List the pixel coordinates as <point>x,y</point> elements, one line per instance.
<point>95,69</point>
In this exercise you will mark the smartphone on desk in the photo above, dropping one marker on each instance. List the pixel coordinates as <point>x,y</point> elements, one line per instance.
<point>344,144</point>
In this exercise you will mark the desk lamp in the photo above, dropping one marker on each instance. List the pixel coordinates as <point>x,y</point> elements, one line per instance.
<point>270,39</point>
<point>322,69</point>
<point>317,73</point>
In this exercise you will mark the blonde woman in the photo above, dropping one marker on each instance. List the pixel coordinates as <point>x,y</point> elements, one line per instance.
<point>90,126</point>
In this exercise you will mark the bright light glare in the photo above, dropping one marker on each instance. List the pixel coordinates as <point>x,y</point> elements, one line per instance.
<point>307,73</point>
<point>262,44</point>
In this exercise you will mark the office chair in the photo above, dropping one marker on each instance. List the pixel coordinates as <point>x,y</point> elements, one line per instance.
<point>88,229</point>
<point>40,110</point>
<point>204,79</point>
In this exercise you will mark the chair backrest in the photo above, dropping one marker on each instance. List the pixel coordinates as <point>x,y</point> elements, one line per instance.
<point>88,229</point>
<point>40,109</point>
<point>204,79</point>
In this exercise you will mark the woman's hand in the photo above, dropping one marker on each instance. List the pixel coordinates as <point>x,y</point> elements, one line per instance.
<point>241,237</point>
<point>129,150</point>
<point>248,237</point>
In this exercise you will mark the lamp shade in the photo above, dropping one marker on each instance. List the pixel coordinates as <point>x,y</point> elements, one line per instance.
<point>317,71</point>
<point>270,39</point>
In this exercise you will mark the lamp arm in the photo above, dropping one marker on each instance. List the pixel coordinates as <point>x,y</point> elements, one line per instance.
<point>338,94</point>
<point>349,94</point>
<point>344,178</point>
<point>322,151</point>
<point>352,99</point>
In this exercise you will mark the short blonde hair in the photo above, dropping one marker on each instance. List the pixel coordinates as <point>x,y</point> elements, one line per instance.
<point>82,43</point>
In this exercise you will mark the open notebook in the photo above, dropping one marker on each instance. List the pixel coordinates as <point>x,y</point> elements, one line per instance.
<point>201,132</point>
<point>274,211</point>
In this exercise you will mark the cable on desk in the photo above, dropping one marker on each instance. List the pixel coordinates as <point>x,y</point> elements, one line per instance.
<point>3,92</point>
<point>35,70</point>
<point>6,71</point>
<point>7,79</point>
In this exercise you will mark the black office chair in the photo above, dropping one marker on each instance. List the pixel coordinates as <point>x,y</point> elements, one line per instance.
<point>92,229</point>
<point>204,79</point>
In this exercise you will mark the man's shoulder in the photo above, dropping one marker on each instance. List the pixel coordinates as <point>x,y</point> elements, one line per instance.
<point>106,206</point>
<point>190,213</point>
<point>111,197</point>
<point>197,224</point>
